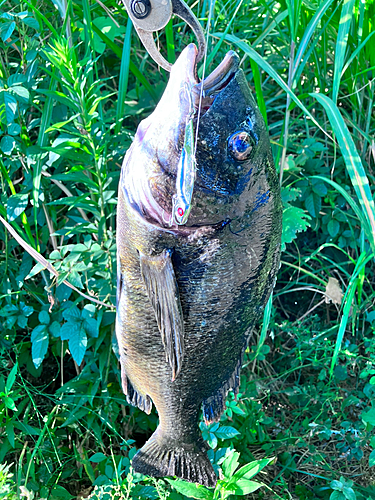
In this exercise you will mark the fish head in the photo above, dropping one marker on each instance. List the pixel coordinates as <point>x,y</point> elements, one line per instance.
<point>233,154</point>
<point>230,146</point>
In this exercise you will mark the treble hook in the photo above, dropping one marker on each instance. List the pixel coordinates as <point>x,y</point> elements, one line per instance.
<point>153,15</point>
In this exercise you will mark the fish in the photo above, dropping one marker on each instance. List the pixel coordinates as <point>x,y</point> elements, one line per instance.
<point>190,289</point>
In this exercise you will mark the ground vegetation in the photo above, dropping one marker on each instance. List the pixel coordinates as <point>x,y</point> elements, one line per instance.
<point>74,84</point>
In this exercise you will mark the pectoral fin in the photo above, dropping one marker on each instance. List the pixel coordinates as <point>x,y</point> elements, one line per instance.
<point>162,289</point>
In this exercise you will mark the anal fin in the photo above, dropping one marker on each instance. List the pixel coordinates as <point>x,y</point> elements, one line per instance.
<point>162,289</point>
<point>214,406</point>
<point>133,397</point>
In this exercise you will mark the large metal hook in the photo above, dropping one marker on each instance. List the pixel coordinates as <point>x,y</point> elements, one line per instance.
<point>153,15</point>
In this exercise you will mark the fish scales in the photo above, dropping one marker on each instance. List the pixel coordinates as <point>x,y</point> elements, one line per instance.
<point>189,295</point>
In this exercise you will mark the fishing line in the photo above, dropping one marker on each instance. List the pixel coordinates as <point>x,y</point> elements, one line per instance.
<point>212,5</point>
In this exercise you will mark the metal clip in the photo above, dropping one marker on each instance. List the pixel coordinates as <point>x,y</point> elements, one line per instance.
<point>153,15</point>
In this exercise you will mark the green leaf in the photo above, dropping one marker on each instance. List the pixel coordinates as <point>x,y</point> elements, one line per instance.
<point>250,470</point>
<point>369,416</point>
<point>319,188</point>
<point>333,227</point>
<point>341,43</point>
<point>20,92</point>
<point>353,164</point>
<point>230,464</point>
<point>289,194</point>
<point>147,492</point>
<point>295,219</point>
<point>60,97</point>
<point>16,205</point>
<point>7,144</point>
<point>6,30</point>
<point>300,60</point>
<point>371,460</point>
<point>59,493</point>
<point>9,403</point>
<point>245,486</point>
<point>124,76</point>
<point>35,270</point>
<point>340,372</point>
<point>72,314</point>
<point>14,129</point>
<point>78,345</point>
<point>10,433</point>
<point>337,495</point>
<point>63,292</point>
<point>8,309</point>
<point>26,310</point>
<point>191,490</point>
<point>54,329</point>
<point>27,429</point>
<point>30,21</point>
<point>75,279</point>
<point>212,440</point>
<point>11,378</point>
<point>226,432</point>
<point>89,310</point>
<point>55,255</point>
<point>10,321</point>
<point>9,103</point>
<point>75,416</point>
<point>40,341</point>
<point>349,493</point>
<point>16,79</point>
<point>68,330</point>
<point>22,321</point>
<point>313,204</point>
<point>92,327</point>
<point>98,457</point>
<point>44,317</point>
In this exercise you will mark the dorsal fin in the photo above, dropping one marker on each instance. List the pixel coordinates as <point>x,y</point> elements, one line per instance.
<point>162,289</point>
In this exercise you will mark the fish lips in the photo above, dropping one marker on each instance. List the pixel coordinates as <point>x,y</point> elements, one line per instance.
<point>205,92</point>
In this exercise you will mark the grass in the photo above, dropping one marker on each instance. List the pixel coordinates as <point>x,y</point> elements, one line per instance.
<point>68,111</point>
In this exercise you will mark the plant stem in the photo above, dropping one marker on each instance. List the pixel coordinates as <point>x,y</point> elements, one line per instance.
<point>287,114</point>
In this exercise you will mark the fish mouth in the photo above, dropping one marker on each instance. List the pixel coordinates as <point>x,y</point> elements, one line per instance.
<point>205,91</point>
<point>153,200</point>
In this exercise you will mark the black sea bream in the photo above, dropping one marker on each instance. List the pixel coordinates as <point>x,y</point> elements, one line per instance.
<point>190,293</point>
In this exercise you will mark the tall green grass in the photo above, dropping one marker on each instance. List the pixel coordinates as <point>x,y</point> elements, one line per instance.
<point>311,66</point>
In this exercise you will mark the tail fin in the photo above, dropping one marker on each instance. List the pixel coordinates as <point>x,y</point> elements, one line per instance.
<point>162,456</point>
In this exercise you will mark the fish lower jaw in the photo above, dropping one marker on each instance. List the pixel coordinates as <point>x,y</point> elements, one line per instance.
<point>164,221</point>
<point>193,233</point>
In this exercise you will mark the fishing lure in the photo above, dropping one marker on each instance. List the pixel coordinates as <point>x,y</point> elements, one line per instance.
<point>186,172</point>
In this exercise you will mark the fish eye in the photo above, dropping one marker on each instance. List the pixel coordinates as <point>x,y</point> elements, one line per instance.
<point>240,145</point>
